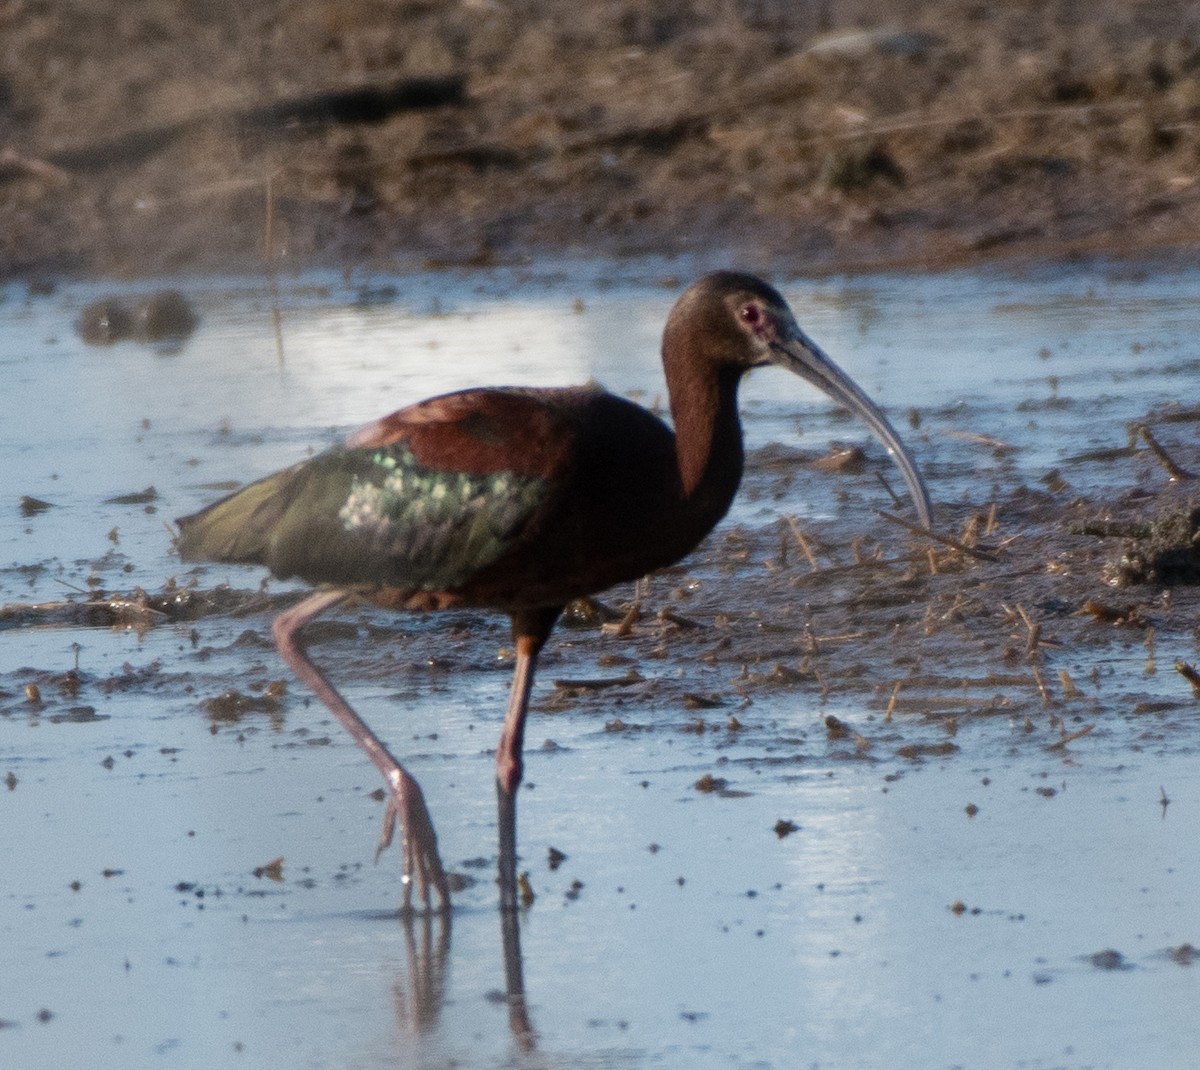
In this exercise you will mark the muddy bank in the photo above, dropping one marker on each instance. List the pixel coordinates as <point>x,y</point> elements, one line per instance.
<point>142,139</point>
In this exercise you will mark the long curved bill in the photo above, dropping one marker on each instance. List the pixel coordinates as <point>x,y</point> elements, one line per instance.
<point>799,354</point>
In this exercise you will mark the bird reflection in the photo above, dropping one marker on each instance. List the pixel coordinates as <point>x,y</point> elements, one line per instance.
<point>514,981</point>
<point>419,999</point>
<point>419,1003</point>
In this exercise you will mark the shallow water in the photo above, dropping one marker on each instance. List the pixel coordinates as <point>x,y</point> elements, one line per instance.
<point>129,907</point>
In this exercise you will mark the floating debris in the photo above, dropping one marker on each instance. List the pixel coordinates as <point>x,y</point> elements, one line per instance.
<point>846,460</point>
<point>165,316</point>
<point>1115,615</point>
<point>141,497</point>
<point>272,871</point>
<point>575,687</point>
<point>915,751</point>
<point>1184,955</point>
<point>104,322</point>
<point>716,785</point>
<point>1108,959</point>
<point>709,783</point>
<point>31,506</point>
<point>525,890</point>
<point>78,715</point>
<point>233,705</point>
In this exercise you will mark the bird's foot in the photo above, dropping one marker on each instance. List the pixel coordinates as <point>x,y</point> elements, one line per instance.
<point>418,843</point>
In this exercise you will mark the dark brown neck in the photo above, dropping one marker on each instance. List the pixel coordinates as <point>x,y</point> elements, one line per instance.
<point>708,436</point>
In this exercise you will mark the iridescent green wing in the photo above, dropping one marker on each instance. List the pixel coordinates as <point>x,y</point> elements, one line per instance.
<point>368,516</point>
<point>428,528</point>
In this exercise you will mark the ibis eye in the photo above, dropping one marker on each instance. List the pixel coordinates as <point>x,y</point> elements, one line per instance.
<point>751,315</point>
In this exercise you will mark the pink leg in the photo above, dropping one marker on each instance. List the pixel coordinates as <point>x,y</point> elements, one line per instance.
<point>405,803</point>
<point>531,628</point>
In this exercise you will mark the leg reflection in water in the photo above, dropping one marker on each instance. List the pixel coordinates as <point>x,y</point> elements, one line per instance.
<point>427,943</point>
<point>514,980</point>
<point>419,1002</point>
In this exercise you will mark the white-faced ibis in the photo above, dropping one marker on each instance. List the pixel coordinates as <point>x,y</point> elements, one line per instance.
<point>519,500</point>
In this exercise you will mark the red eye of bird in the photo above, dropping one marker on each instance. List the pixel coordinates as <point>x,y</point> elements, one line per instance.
<point>752,315</point>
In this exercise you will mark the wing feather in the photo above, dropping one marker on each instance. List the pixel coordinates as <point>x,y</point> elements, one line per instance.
<point>423,500</point>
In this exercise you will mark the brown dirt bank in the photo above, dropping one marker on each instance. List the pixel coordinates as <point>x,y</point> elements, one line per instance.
<point>142,138</point>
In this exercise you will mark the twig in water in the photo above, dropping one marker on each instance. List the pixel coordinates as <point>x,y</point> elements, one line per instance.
<point>1176,474</point>
<point>896,500</point>
<point>803,543</point>
<point>1043,690</point>
<point>1035,639</point>
<point>891,706</point>
<point>947,540</point>
<point>1062,743</point>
